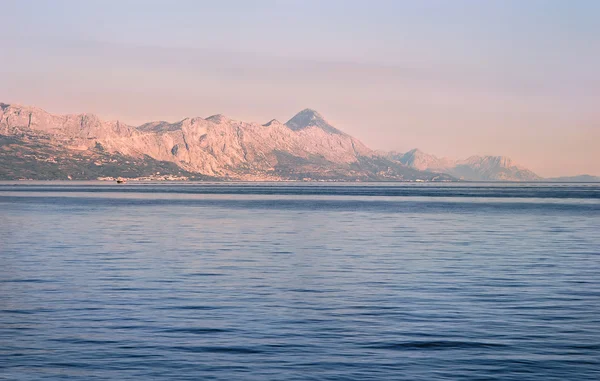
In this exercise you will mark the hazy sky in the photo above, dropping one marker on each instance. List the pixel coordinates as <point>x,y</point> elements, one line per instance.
<point>518,78</point>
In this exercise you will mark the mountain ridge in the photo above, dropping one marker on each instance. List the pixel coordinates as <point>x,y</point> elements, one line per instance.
<point>473,168</point>
<point>306,147</point>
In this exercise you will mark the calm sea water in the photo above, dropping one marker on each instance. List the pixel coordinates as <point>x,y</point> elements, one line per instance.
<point>299,281</point>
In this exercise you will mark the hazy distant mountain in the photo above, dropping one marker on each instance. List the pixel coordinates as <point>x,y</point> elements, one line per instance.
<point>420,160</point>
<point>36,144</point>
<point>475,168</point>
<point>575,179</point>
<point>492,168</point>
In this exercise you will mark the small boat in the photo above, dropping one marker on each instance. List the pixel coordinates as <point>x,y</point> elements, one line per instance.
<point>121,181</point>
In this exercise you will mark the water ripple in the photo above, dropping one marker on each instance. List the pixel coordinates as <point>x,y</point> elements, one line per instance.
<point>299,282</point>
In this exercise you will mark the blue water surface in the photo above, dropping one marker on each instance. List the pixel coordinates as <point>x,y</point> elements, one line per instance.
<point>296,281</point>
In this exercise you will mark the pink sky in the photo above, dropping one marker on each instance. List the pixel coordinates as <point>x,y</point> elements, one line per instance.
<point>451,78</point>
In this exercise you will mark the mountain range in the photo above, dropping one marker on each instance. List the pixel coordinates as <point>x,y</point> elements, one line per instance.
<point>35,144</point>
<point>474,168</point>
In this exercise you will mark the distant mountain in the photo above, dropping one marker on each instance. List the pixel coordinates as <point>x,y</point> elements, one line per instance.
<point>492,168</point>
<point>474,168</point>
<point>35,144</point>
<point>575,179</point>
<point>425,162</point>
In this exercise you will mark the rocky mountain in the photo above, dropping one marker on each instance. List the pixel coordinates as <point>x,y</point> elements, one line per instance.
<point>423,161</point>
<point>496,168</point>
<point>36,144</point>
<point>474,168</point>
<point>34,157</point>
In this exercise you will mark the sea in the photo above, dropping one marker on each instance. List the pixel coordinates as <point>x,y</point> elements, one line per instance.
<point>299,281</point>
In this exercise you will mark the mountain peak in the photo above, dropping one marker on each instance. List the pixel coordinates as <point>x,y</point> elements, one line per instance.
<point>500,161</point>
<point>272,122</point>
<point>423,161</point>
<point>218,118</point>
<point>310,118</point>
<point>415,152</point>
<point>310,113</point>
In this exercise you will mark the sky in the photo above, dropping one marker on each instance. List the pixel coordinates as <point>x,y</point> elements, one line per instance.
<point>451,77</point>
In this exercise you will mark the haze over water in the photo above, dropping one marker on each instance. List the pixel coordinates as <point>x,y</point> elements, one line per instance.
<point>299,281</point>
